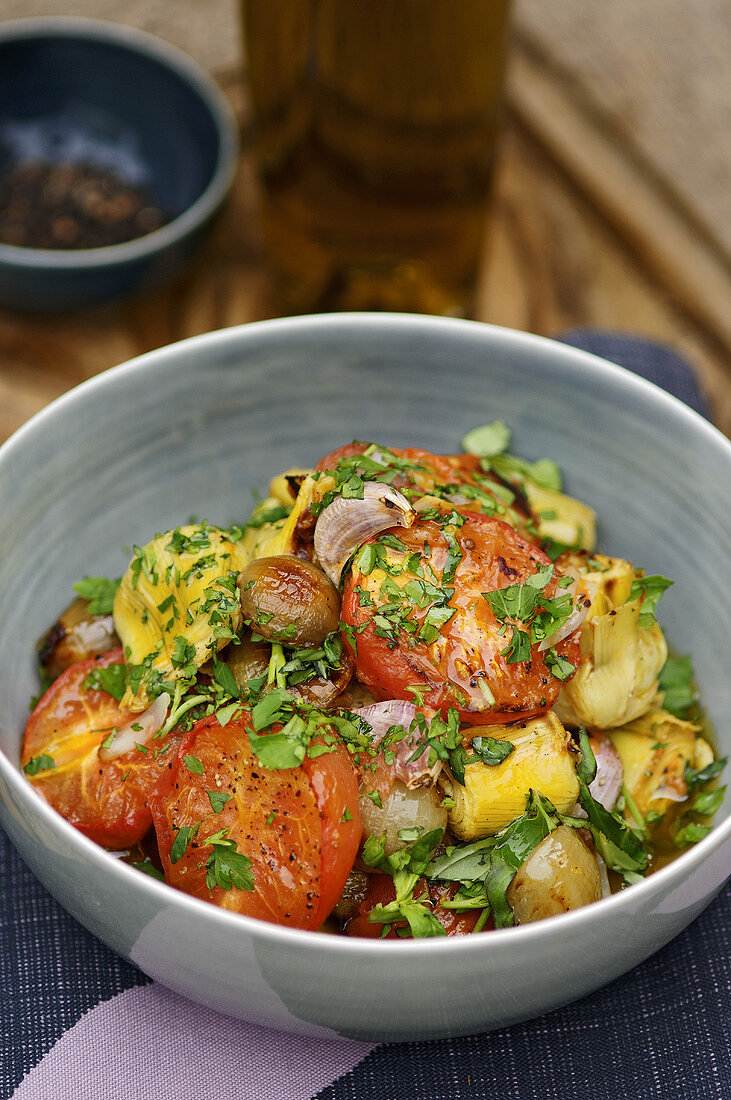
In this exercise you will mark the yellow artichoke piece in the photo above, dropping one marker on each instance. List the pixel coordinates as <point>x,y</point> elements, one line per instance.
<point>562,518</point>
<point>606,581</point>
<point>492,797</point>
<point>260,530</point>
<point>263,537</point>
<point>616,680</point>
<point>655,750</point>
<point>177,603</point>
<point>281,486</point>
<point>280,539</point>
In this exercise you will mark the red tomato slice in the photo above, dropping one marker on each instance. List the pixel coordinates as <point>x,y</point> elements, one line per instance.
<point>468,647</point>
<point>445,468</point>
<point>431,471</point>
<point>105,800</point>
<point>300,826</point>
<point>428,470</point>
<point>381,891</point>
<point>330,461</point>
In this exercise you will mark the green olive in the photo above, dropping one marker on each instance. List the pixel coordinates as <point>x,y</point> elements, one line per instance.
<point>286,599</point>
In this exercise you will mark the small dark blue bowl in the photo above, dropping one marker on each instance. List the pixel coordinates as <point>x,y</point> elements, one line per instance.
<point>76,90</point>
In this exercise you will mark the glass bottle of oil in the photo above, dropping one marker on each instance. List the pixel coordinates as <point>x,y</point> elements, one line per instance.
<point>376,127</point>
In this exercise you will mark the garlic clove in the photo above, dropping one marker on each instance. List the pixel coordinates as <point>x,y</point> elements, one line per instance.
<point>346,524</point>
<point>141,729</point>
<point>413,773</point>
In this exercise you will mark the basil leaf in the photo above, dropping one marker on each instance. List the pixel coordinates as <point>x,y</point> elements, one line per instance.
<point>694,779</point>
<point>457,761</point>
<point>499,877</point>
<point>618,843</point>
<point>422,923</point>
<point>467,863</point>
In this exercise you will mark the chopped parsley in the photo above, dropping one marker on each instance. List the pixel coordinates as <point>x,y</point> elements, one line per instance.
<point>183,838</point>
<point>218,800</point>
<point>40,763</point>
<point>676,683</point>
<point>226,866</point>
<point>271,514</point>
<point>650,589</point>
<point>112,679</point>
<point>99,591</point>
<point>286,749</point>
<point>491,442</point>
<point>406,867</point>
<point>225,678</point>
<point>193,765</point>
<point>533,617</point>
<point>490,750</point>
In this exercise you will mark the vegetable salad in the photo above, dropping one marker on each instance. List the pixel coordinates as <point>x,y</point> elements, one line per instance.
<point>408,697</point>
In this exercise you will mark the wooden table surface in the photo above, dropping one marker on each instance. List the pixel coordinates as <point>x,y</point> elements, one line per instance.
<point>579,235</point>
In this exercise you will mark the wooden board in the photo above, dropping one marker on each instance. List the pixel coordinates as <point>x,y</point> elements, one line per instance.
<point>559,256</point>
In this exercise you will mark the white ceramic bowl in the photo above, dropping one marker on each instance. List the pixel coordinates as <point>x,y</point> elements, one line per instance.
<point>189,430</point>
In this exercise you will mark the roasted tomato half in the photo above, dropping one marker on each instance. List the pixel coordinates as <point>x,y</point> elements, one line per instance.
<point>427,473</point>
<point>298,828</point>
<point>416,615</point>
<point>380,891</point>
<point>105,800</point>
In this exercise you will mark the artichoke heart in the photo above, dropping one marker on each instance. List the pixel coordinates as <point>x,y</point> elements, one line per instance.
<point>562,518</point>
<point>177,604</point>
<point>264,525</point>
<point>492,797</point>
<point>280,537</point>
<point>606,581</point>
<point>616,680</point>
<point>285,487</point>
<point>263,533</point>
<point>655,750</point>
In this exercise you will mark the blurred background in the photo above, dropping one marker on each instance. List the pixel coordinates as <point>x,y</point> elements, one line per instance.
<point>611,204</point>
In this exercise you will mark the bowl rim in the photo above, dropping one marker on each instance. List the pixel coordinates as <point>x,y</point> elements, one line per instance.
<point>169,57</point>
<point>159,893</point>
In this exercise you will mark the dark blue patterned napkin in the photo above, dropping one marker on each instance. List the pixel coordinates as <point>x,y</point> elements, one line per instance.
<point>79,1023</point>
